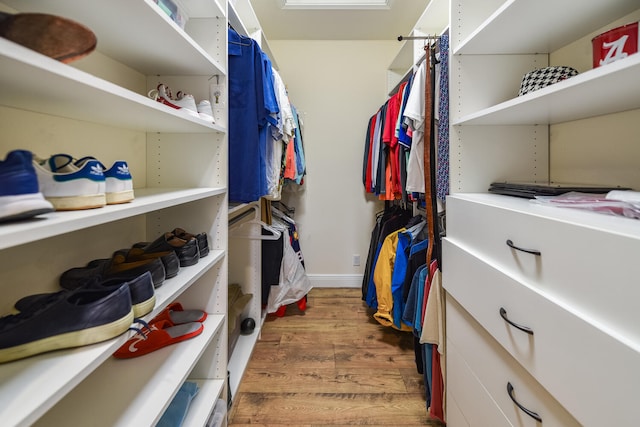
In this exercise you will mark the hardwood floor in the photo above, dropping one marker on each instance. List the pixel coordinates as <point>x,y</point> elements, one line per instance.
<point>332,365</point>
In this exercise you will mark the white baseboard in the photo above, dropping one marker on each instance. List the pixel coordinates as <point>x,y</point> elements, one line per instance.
<point>336,280</point>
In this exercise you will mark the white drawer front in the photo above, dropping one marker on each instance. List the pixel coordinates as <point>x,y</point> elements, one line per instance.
<point>455,417</point>
<point>593,266</point>
<point>585,368</point>
<point>468,403</point>
<point>494,368</point>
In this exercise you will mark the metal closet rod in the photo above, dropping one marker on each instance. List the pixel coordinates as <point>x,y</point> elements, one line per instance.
<point>400,38</point>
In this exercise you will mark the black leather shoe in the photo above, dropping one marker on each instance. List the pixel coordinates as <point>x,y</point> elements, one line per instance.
<point>187,250</point>
<point>115,268</point>
<point>169,259</point>
<point>203,241</point>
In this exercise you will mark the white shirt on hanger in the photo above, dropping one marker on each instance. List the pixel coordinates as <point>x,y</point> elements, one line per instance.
<point>414,111</point>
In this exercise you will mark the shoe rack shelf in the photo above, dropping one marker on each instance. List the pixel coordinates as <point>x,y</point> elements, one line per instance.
<point>99,106</point>
<point>142,397</point>
<point>58,89</point>
<point>56,223</point>
<point>142,36</point>
<point>572,99</point>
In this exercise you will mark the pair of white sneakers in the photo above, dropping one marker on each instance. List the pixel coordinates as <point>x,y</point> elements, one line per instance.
<point>183,102</point>
<point>71,184</point>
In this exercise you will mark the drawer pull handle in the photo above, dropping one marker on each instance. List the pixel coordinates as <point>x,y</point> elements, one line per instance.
<point>529,412</point>
<point>529,251</point>
<point>503,313</point>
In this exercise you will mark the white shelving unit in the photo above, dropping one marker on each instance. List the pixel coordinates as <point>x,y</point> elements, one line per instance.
<point>249,24</point>
<point>245,269</point>
<point>433,21</point>
<point>245,254</point>
<point>99,106</point>
<point>554,134</point>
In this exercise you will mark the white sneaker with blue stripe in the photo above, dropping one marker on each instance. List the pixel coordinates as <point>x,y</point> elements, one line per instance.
<point>119,184</point>
<point>20,197</point>
<point>69,187</point>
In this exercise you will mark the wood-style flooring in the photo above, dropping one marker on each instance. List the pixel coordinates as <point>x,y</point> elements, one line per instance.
<point>332,365</point>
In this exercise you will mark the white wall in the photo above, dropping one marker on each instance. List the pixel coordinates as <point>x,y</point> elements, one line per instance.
<point>336,86</point>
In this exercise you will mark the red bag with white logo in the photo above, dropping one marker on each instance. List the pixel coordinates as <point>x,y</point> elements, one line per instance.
<point>615,44</point>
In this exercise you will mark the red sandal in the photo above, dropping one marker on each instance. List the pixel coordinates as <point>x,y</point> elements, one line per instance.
<point>158,335</point>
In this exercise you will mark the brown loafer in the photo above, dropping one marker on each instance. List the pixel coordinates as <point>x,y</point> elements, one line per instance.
<point>53,36</point>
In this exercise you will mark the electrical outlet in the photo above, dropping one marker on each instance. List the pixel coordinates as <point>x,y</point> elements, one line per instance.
<point>356,260</point>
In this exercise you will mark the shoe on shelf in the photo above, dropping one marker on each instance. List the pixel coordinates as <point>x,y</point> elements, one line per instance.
<point>182,102</point>
<point>205,111</point>
<point>143,298</point>
<point>114,268</point>
<point>187,103</point>
<point>169,259</point>
<point>20,196</point>
<point>54,36</point>
<point>65,320</point>
<point>158,335</point>
<point>203,242</point>
<point>69,187</point>
<point>176,315</point>
<point>118,181</point>
<point>186,249</point>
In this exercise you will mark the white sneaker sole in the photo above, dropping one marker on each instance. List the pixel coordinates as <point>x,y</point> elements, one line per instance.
<point>118,191</point>
<point>119,197</point>
<point>144,307</point>
<point>23,206</point>
<point>72,203</point>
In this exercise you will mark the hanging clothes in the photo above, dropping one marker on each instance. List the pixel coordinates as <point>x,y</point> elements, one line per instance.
<point>402,278</point>
<point>393,219</point>
<point>293,283</point>
<point>262,125</point>
<point>414,118</point>
<point>247,115</point>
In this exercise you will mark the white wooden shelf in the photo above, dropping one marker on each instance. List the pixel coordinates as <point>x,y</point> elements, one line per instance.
<point>29,387</point>
<point>435,18</point>
<point>146,38</point>
<point>550,24</point>
<point>240,357</point>
<point>57,223</point>
<point>200,407</point>
<point>34,82</point>
<point>142,394</point>
<point>172,288</point>
<point>137,42</point>
<point>604,90</point>
<point>246,23</point>
<point>581,130</point>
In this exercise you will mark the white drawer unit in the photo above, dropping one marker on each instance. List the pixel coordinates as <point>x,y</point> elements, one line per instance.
<point>519,398</point>
<point>591,265</point>
<point>559,348</point>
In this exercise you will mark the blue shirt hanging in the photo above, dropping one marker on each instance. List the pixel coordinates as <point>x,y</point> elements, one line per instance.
<point>247,151</point>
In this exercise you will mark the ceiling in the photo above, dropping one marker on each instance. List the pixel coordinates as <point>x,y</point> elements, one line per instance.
<point>338,24</point>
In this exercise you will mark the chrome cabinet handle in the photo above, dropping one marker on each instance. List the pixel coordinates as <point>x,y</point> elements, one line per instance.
<point>529,412</point>
<point>529,251</point>
<point>503,313</point>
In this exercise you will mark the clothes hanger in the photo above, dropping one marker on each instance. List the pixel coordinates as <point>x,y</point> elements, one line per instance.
<point>235,231</point>
<point>239,35</point>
